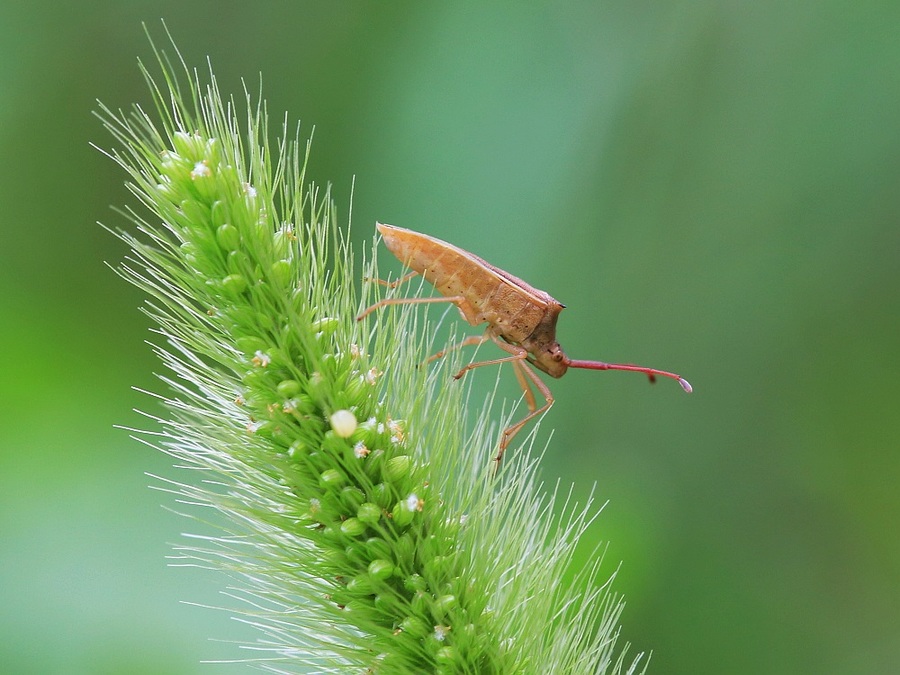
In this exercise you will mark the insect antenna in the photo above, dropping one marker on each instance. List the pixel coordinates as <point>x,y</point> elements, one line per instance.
<point>649,372</point>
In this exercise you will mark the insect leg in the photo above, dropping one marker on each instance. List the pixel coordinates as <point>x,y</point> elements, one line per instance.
<point>396,282</point>
<point>471,341</point>
<point>407,301</point>
<point>518,354</point>
<point>510,432</point>
<point>518,369</point>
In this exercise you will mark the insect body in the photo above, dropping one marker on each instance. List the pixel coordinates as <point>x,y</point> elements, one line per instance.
<point>521,319</point>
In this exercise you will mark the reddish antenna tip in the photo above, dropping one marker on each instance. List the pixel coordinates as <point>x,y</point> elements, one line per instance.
<point>685,385</point>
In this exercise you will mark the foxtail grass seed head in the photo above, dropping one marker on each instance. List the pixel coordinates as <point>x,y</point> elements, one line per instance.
<point>362,518</point>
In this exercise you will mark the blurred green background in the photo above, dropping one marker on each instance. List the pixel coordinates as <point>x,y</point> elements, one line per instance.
<point>710,187</point>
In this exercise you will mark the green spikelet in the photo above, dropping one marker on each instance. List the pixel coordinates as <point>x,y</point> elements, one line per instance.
<point>364,524</point>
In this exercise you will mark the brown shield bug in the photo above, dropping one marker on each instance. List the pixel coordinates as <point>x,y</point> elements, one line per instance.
<point>521,319</point>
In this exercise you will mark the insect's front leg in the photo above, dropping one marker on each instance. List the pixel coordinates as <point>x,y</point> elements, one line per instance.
<point>519,368</point>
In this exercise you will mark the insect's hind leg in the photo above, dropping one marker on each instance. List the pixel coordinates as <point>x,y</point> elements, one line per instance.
<point>407,301</point>
<point>472,341</point>
<point>389,284</point>
<point>395,282</point>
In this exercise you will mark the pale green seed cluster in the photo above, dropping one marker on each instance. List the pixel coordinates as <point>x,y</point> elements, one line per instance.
<point>388,547</point>
<point>356,554</point>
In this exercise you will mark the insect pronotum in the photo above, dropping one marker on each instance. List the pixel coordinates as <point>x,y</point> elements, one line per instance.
<point>521,319</point>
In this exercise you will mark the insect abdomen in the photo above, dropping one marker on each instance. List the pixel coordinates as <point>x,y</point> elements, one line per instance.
<point>489,296</point>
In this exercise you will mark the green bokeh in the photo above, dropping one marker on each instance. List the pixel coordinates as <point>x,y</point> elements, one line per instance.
<point>710,187</point>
